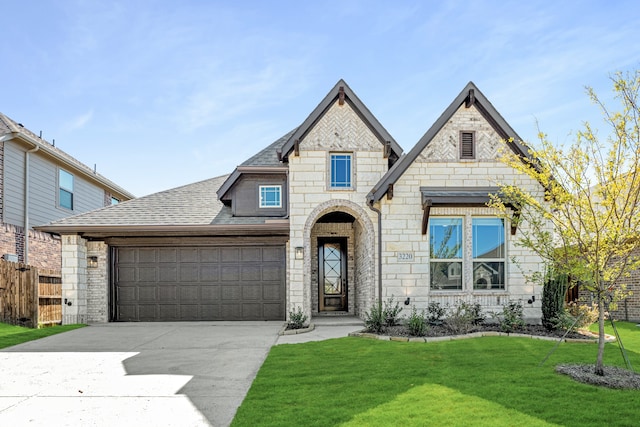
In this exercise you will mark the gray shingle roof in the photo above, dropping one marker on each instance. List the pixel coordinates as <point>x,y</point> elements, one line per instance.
<point>268,156</point>
<point>189,205</point>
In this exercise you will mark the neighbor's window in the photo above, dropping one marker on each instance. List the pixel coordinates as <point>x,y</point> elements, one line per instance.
<point>65,195</point>
<point>488,253</point>
<point>340,170</point>
<point>445,247</point>
<point>270,196</point>
<point>467,145</point>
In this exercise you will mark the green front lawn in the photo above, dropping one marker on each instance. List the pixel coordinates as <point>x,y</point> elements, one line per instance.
<point>13,335</point>
<point>491,381</point>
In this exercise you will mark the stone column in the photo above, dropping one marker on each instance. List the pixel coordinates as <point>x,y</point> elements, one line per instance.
<point>74,279</point>
<point>97,282</point>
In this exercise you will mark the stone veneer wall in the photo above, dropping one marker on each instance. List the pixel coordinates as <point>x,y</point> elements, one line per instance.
<point>439,166</point>
<point>74,279</point>
<point>339,130</point>
<point>98,284</point>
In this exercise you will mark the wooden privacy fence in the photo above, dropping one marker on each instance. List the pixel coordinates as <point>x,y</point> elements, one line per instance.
<point>29,296</point>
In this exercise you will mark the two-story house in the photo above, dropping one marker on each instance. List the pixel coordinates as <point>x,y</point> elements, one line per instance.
<point>330,218</point>
<point>40,183</point>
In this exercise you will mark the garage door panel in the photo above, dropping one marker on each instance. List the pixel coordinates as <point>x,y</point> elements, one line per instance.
<point>147,293</point>
<point>167,273</point>
<point>147,274</point>
<point>188,273</point>
<point>199,283</point>
<point>251,254</point>
<point>230,273</point>
<point>209,273</point>
<point>189,294</point>
<point>250,273</point>
<point>209,255</point>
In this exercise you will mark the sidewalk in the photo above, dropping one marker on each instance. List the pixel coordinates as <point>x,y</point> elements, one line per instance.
<point>325,327</point>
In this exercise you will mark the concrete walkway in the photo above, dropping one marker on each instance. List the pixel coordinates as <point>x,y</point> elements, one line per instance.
<point>142,374</point>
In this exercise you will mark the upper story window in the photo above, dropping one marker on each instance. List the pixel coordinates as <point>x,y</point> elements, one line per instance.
<point>340,170</point>
<point>114,201</point>
<point>65,193</point>
<point>270,196</point>
<point>467,145</point>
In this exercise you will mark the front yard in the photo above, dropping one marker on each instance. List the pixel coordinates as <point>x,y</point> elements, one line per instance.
<point>13,335</point>
<point>491,381</point>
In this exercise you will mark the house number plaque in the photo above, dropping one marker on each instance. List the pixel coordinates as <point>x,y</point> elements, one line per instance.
<point>405,256</point>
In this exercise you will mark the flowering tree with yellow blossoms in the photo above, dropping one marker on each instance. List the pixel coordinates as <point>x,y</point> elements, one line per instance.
<point>588,223</point>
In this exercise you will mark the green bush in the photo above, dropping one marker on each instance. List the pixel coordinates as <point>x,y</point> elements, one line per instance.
<point>297,319</point>
<point>435,313</point>
<point>553,294</point>
<point>512,317</point>
<point>416,323</point>
<point>586,315</point>
<point>391,312</point>
<point>374,319</point>
<point>463,317</point>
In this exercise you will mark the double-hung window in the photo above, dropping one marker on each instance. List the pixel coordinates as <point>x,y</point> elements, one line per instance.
<point>340,170</point>
<point>488,253</point>
<point>270,196</point>
<point>445,247</point>
<point>65,192</point>
<point>484,264</point>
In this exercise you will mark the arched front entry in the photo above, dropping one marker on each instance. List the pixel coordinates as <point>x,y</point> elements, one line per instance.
<point>339,238</point>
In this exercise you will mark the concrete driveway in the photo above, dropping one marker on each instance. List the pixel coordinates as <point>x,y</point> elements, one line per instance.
<point>126,374</point>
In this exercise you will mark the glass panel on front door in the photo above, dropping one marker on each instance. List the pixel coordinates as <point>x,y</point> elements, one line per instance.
<point>332,277</point>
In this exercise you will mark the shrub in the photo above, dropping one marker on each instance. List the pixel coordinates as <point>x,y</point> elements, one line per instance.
<point>463,317</point>
<point>391,312</point>
<point>416,323</point>
<point>297,319</point>
<point>374,320</point>
<point>435,313</point>
<point>512,317</point>
<point>553,292</point>
<point>586,315</point>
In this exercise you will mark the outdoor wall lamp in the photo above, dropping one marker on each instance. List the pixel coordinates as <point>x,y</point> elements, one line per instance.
<point>299,252</point>
<point>532,299</point>
<point>407,301</point>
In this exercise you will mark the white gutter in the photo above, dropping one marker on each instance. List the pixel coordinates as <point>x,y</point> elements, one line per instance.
<point>26,202</point>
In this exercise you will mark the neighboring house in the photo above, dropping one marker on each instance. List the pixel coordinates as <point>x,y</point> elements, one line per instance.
<point>329,218</point>
<point>40,183</point>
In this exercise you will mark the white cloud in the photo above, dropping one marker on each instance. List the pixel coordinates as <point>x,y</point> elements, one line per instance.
<point>79,122</point>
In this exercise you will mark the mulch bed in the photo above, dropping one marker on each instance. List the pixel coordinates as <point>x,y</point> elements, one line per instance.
<point>443,331</point>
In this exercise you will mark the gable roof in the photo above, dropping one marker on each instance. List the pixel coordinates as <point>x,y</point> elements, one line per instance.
<point>470,95</point>
<point>11,130</point>
<point>358,106</point>
<point>265,161</point>
<point>187,210</point>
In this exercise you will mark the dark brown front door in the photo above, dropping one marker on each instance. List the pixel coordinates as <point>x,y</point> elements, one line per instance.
<point>332,274</point>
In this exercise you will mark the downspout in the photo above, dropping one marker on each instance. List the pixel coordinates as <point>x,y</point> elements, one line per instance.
<point>377,211</point>
<point>26,202</point>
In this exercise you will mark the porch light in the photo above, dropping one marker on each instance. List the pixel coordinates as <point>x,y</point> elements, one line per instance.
<point>92,262</point>
<point>299,252</point>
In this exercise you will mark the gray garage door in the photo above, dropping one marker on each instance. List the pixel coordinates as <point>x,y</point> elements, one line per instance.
<point>199,283</point>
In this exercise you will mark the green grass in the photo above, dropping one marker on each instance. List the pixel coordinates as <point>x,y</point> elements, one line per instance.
<point>491,381</point>
<point>13,335</point>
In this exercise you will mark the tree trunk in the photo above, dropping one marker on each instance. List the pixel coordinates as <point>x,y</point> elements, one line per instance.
<point>599,362</point>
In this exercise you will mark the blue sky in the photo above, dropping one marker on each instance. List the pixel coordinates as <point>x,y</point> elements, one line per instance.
<point>160,94</point>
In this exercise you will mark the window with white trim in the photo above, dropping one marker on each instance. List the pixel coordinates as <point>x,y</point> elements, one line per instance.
<point>449,260</point>
<point>270,196</point>
<point>340,170</point>
<point>488,253</point>
<point>445,252</point>
<point>65,189</point>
